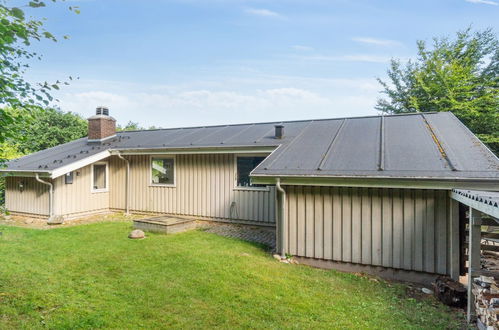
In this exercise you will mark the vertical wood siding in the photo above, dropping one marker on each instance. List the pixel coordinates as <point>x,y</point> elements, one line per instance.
<point>77,198</point>
<point>398,228</point>
<point>204,187</point>
<point>34,199</point>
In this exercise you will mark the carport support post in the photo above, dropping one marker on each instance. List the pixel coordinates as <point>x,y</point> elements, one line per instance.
<point>473,257</point>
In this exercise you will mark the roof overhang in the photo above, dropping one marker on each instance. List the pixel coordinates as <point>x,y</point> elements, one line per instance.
<point>384,182</point>
<point>195,150</point>
<point>61,170</point>
<point>137,151</point>
<point>42,174</point>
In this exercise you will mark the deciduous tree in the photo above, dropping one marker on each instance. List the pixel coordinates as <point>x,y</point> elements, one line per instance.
<point>459,75</point>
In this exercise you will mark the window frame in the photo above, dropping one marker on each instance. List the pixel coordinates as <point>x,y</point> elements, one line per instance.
<point>102,190</point>
<point>168,185</point>
<point>236,187</point>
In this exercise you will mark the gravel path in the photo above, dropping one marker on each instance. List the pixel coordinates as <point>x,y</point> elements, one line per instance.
<point>262,235</point>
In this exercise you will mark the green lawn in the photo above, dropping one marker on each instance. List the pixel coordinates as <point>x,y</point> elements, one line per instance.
<point>92,276</point>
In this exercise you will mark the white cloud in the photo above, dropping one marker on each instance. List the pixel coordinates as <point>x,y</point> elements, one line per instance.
<point>350,58</point>
<point>262,12</point>
<point>377,42</point>
<point>485,2</point>
<point>302,48</point>
<point>263,98</point>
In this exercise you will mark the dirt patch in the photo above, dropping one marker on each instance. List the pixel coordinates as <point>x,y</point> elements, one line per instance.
<point>36,223</point>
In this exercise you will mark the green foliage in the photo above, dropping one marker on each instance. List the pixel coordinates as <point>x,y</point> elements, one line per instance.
<point>16,35</point>
<point>133,126</point>
<point>39,129</point>
<point>93,276</point>
<point>7,151</point>
<point>130,126</point>
<point>459,75</point>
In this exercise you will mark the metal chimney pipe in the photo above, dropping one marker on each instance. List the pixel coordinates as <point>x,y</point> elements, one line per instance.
<point>279,131</point>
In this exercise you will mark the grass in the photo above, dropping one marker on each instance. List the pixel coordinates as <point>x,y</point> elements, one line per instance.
<point>92,276</point>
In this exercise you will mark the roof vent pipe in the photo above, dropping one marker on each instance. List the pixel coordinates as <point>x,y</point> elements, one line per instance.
<point>279,131</point>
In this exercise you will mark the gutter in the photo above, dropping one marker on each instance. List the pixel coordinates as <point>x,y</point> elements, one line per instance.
<point>281,221</point>
<point>51,197</point>
<point>127,184</point>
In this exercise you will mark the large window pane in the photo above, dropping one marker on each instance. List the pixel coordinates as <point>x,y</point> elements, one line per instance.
<point>244,167</point>
<point>163,171</point>
<point>99,176</point>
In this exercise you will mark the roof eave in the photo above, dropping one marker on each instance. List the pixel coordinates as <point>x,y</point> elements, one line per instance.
<point>381,182</point>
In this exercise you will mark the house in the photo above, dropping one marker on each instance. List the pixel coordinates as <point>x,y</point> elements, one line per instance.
<point>361,193</point>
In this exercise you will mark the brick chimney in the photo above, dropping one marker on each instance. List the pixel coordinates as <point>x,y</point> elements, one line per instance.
<point>101,126</point>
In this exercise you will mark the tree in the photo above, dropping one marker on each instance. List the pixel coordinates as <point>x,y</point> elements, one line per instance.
<point>134,126</point>
<point>460,75</point>
<point>39,129</point>
<point>16,35</point>
<point>130,126</point>
<point>7,151</point>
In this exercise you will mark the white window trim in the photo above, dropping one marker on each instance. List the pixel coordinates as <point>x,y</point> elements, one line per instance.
<point>236,187</point>
<point>168,185</point>
<point>92,178</point>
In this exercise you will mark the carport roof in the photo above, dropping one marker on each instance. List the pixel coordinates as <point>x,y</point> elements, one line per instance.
<point>484,201</point>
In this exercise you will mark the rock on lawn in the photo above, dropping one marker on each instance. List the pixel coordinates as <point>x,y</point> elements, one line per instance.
<point>137,234</point>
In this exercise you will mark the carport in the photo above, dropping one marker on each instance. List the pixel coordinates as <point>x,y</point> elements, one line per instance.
<point>479,202</point>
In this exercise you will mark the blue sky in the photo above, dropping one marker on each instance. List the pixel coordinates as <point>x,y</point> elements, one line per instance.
<point>198,62</point>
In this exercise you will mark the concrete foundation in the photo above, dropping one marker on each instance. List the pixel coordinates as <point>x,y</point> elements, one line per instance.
<point>386,273</point>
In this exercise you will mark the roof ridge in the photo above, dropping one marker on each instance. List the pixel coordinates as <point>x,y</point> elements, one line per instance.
<point>284,122</point>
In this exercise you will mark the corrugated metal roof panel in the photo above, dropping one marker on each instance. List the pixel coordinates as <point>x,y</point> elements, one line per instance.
<point>357,146</point>
<point>409,145</point>
<point>433,145</point>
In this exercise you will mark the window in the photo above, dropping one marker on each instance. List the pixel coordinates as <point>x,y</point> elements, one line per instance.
<point>99,177</point>
<point>68,178</point>
<point>244,166</point>
<point>163,171</point>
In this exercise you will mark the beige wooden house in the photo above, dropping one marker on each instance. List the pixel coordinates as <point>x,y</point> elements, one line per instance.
<point>351,193</point>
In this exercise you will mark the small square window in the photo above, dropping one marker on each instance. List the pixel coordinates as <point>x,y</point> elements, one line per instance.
<point>99,180</point>
<point>163,171</point>
<point>68,178</point>
<point>244,167</point>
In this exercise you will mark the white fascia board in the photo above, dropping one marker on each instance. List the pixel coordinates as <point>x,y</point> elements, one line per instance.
<point>79,164</point>
<point>412,183</point>
<point>207,150</point>
<point>24,173</point>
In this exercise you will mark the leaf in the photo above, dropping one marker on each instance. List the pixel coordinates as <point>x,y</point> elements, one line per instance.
<point>17,13</point>
<point>36,4</point>
<point>48,35</point>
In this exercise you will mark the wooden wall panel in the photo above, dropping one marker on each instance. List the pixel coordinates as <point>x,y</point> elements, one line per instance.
<point>396,228</point>
<point>33,199</point>
<point>205,187</point>
<point>77,198</point>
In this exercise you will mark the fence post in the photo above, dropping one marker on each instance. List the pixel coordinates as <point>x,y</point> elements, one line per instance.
<point>473,257</point>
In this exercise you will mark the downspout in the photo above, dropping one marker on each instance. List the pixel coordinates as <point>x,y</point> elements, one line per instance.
<point>280,227</point>
<point>127,184</point>
<point>51,197</point>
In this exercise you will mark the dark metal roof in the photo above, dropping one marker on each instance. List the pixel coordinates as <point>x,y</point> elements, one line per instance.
<point>415,145</point>
<point>431,145</point>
